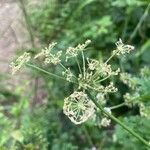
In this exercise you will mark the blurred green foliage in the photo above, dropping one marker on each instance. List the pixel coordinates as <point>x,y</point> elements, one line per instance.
<point>69,22</point>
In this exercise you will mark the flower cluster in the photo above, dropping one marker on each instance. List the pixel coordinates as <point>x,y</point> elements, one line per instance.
<point>131,100</point>
<point>144,110</point>
<point>49,57</point>
<point>93,64</point>
<point>129,80</point>
<point>74,51</point>
<point>110,88</point>
<point>105,122</point>
<point>139,91</point>
<point>106,70</point>
<point>21,60</point>
<point>78,107</point>
<point>68,74</point>
<point>101,98</point>
<point>122,48</point>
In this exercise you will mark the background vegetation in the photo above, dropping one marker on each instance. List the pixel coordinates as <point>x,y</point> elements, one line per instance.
<point>31,123</point>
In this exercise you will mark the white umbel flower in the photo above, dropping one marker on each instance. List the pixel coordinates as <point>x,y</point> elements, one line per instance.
<point>68,74</point>
<point>122,48</point>
<point>21,60</point>
<point>101,98</point>
<point>78,107</point>
<point>92,64</point>
<point>105,122</point>
<point>74,51</point>
<point>49,57</point>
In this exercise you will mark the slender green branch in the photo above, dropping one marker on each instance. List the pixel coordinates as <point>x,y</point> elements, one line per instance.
<point>111,57</point>
<point>140,22</point>
<point>119,122</point>
<point>118,106</point>
<point>62,66</point>
<point>78,65</point>
<point>28,22</point>
<point>88,136</point>
<point>122,104</point>
<point>48,73</point>
<point>83,59</point>
<point>98,81</point>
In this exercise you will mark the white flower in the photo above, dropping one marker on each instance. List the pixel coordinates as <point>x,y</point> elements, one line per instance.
<point>84,45</point>
<point>110,88</point>
<point>46,51</point>
<point>21,60</point>
<point>73,51</point>
<point>68,74</point>
<point>105,122</point>
<point>105,69</point>
<point>144,110</point>
<point>49,57</point>
<point>107,109</point>
<point>92,64</point>
<point>101,99</point>
<point>122,48</point>
<point>78,107</point>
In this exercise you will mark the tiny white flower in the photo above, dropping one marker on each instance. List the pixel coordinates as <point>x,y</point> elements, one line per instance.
<point>49,57</point>
<point>105,122</point>
<point>122,48</point>
<point>110,88</point>
<point>74,51</point>
<point>92,64</point>
<point>107,109</point>
<point>68,74</point>
<point>21,60</point>
<point>101,99</point>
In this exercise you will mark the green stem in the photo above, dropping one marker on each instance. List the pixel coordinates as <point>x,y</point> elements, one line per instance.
<point>118,106</point>
<point>119,122</point>
<point>28,22</point>
<point>111,57</point>
<point>78,65</point>
<point>122,104</point>
<point>83,59</point>
<point>98,81</point>
<point>62,66</point>
<point>46,72</point>
<point>140,22</point>
<point>88,136</point>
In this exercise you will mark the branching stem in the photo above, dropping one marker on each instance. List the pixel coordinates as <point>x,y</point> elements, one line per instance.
<point>119,122</point>
<point>98,106</point>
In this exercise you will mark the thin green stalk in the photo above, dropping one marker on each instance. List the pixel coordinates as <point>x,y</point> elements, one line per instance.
<point>28,22</point>
<point>78,65</point>
<point>88,136</point>
<point>122,104</point>
<point>62,66</point>
<point>49,73</point>
<point>140,22</point>
<point>83,59</point>
<point>119,122</point>
<point>98,81</point>
<point>66,69</point>
<point>111,57</point>
<point>118,106</point>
